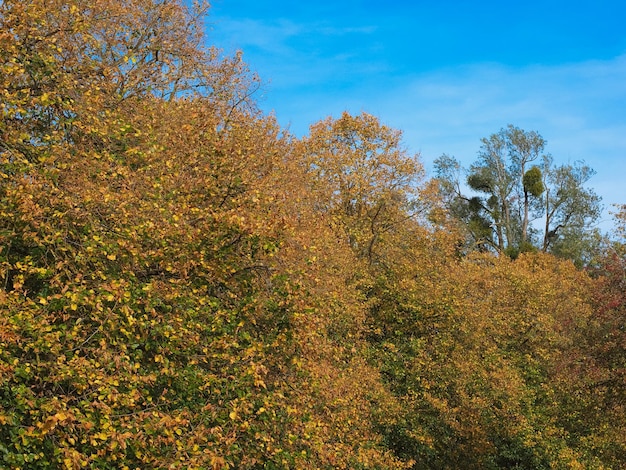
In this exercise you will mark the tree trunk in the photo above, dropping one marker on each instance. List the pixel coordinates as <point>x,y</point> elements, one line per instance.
<point>525,219</point>
<point>546,232</point>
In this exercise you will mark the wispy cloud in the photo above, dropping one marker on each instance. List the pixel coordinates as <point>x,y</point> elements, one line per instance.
<point>578,108</point>
<point>282,36</point>
<point>341,31</point>
<point>292,54</point>
<point>268,36</point>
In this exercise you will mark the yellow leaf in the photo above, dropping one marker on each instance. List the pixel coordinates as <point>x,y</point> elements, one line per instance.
<point>49,425</point>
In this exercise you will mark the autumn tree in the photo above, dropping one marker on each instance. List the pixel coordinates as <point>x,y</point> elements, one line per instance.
<point>518,184</point>
<point>368,181</point>
<point>166,301</point>
<point>475,355</point>
<point>594,371</point>
<point>185,285</point>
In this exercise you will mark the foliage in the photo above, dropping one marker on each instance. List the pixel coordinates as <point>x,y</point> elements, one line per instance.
<point>151,318</point>
<point>185,285</point>
<point>367,182</point>
<point>513,196</point>
<point>476,357</point>
<point>599,360</point>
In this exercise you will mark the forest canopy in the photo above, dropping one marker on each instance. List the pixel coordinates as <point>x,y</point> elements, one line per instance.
<point>184,284</point>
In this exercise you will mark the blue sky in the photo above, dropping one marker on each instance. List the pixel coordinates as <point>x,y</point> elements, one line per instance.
<point>446,73</point>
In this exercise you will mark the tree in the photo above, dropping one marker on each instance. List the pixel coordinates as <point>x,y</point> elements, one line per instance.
<point>570,209</point>
<point>368,182</point>
<point>155,313</point>
<point>515,183</point>
<point>590,376</point>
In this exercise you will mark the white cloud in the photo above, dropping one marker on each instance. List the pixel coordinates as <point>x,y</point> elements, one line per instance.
<point>290,54</point>
<point>578,108</point>
<point>280,36</point>
<point>270,37</point>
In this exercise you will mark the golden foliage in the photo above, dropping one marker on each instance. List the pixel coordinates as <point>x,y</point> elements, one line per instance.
<point>186,285</point>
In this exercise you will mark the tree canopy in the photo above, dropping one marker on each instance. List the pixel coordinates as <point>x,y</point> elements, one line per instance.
<point>524,201</point>
<point>186,285</point>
